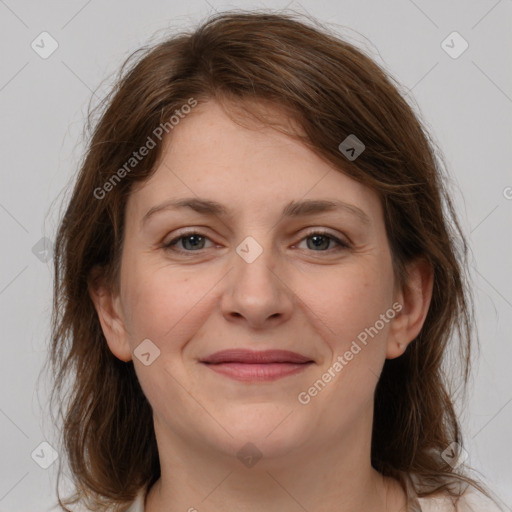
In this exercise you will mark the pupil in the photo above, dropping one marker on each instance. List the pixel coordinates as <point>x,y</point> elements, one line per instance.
<point>316,239</point>
<point>193,237</point>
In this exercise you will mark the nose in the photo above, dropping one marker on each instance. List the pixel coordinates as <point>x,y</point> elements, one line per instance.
<point>258,288</point>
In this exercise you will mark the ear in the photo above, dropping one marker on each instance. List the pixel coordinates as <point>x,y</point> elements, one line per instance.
<point>414,297</point>
<point>108,307</point>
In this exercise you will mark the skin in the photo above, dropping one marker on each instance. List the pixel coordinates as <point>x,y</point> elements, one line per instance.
<point>293,296</point>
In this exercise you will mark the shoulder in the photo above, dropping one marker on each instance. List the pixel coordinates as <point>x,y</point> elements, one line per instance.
<point>470,501</point>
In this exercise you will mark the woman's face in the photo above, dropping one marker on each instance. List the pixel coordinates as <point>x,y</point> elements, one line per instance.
<point>254,276</point>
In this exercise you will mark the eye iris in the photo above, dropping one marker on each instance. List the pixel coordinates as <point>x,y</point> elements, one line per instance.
<point>194,243</point>
<point>316,238</point>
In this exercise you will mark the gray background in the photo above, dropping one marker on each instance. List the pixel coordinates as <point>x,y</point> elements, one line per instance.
<point>466,102</point>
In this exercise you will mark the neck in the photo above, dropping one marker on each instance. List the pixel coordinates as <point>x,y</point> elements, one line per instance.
<point>314,477</point>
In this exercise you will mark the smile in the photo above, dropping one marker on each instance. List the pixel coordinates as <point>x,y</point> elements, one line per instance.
<point>256,371</point>
<point>246,365</point>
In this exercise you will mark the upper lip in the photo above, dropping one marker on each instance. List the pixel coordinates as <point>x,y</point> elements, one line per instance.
<point>255,357</point>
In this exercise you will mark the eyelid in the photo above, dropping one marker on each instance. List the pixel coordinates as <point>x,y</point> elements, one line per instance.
<point>343,242</point>
<point>341,239</point>
<point>184,233</point>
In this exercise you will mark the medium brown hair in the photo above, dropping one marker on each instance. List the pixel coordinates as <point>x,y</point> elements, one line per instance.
<point>332,90</point>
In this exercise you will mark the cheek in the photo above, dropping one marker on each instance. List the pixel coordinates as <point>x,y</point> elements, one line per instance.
<point>162,302</point>
<point>349,303</point>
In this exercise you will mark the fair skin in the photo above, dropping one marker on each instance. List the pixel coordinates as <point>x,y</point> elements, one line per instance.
<point>314,300</point>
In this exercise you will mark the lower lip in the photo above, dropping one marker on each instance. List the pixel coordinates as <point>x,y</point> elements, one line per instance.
<point>257,372</point>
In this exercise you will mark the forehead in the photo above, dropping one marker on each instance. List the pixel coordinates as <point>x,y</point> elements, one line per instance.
<point>247,165</point>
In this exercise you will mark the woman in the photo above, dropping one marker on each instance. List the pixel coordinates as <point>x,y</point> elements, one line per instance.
<point>257,277</point>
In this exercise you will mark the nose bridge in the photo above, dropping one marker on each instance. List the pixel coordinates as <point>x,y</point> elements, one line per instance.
<point>255,261</point>
<point>256,290</point>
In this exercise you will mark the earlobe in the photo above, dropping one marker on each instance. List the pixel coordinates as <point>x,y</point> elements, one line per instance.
<point>415,298</point>
<point>108,309</point>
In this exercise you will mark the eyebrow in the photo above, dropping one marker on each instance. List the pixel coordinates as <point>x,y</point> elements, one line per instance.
<point>293,209</point>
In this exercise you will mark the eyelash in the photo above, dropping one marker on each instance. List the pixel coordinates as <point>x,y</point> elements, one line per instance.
<point>342,245</point>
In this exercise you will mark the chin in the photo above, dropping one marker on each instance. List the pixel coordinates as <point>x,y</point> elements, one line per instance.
<point>275,430</point>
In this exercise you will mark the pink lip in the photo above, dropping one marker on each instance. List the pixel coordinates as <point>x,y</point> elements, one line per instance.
<point>248,365</point>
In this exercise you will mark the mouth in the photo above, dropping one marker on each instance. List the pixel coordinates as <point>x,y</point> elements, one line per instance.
<point>248,365</point>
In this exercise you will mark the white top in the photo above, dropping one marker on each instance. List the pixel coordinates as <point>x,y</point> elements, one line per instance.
<point>138,504</point>
<point>471,501</point>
